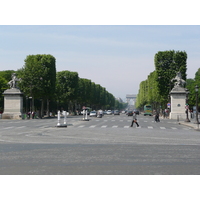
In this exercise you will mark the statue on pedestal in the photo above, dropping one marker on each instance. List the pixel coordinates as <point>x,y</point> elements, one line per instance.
<point>13,100</point>
<point>179,81</point>
<point>13,83</point>
<point>178,98</point>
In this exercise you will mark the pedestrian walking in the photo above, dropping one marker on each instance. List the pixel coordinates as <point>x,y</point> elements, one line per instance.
<point>134,120</point>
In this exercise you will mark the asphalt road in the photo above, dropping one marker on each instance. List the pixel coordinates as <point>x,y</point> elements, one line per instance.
<point>99,146</point>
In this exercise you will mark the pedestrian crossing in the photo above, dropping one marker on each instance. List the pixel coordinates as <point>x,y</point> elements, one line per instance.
<point>116,126</point>
<point>92,124</point>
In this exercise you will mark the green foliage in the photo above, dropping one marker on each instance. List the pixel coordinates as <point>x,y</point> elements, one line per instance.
<point>167,64</point>
<point>67,85</point>
<point>7,74</point>
<point>155,90</point>
<point>38,76</point>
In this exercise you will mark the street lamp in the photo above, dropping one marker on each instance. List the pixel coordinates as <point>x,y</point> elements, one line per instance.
<point>187,106</point>
<point>196,90</point>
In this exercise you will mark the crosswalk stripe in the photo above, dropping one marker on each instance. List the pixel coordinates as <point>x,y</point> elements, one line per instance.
<point>149,126</point>
<point>173,128</point>
<point>162,128</point>
<point>8,127</point>
<point>126,126</point>
<point>81,126</point>
<point>21,127</point>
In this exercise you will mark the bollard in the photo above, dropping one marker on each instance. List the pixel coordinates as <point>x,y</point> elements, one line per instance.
<point>83,114</point>
<point>65,117</point>
<point>58,124</point>
<point>65,121</point>
<point>86,115</point>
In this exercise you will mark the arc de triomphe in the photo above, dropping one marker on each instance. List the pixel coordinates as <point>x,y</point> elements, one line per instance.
<point>130,97</point>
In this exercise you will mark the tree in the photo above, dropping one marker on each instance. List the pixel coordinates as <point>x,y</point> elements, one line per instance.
<point>38,78</point>
<point>7,74</point>
<point>67,87</point>
<point>167,63</point>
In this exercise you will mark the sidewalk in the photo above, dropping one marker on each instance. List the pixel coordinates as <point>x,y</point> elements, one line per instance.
<point>191,124</point>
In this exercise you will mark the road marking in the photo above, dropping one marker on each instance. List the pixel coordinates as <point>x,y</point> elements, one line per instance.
<point>103,126</point>
<point>162,128</point>
<point>173,128</point>
<point>126,126</point>
<point>121,120</point>
<point>8,127</point>
<point>92,126</point>
<point>149,126</point>
<point>81,126</point>
<point>113,120</point>
<point>21,127</point>
<point>114,126</point>
<point>105,120</point>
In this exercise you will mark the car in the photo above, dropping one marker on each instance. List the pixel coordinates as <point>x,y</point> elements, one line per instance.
<point>116,112</point>
<point>109,112</point>
<point>93,113</point>
<point>105,112</point>
<point>136,112</point>
<point>130,113</point>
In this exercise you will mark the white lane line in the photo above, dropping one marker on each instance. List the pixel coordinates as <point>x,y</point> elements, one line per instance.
<point>162,128</point>
<point>8,127</point>
<point>92,126</point>
<point>114,126</point>
<point>149,126</point>
<point>126,126</point>
<point>103,126</point>
<point>173,128</point>
<point>81,126</point>
<point>21,127</point>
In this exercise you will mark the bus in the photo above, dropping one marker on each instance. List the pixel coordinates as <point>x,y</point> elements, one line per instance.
<point>147,110</point>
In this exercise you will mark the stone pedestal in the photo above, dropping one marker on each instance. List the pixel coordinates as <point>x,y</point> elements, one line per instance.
<point>178,102</point>
<point>13,104</point>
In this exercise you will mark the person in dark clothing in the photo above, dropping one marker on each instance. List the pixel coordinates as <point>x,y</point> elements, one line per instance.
<point>134,120</point>
<point>157,117</point>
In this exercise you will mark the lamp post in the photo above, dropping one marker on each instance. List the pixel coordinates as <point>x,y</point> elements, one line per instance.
<point>196,90</point>
<point>187,106</point>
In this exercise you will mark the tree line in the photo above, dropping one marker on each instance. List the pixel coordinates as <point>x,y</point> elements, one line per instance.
<point>47,90</point>
<point>156,88</point>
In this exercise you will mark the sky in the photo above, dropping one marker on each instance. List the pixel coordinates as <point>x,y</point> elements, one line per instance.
<point>112,44</point>
<point>118,57</point>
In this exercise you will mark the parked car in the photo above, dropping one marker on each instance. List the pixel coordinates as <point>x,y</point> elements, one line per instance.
<point>93,113</point>
<point>116,112</point>
<point>109,112</point>
<point>130,113</point>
